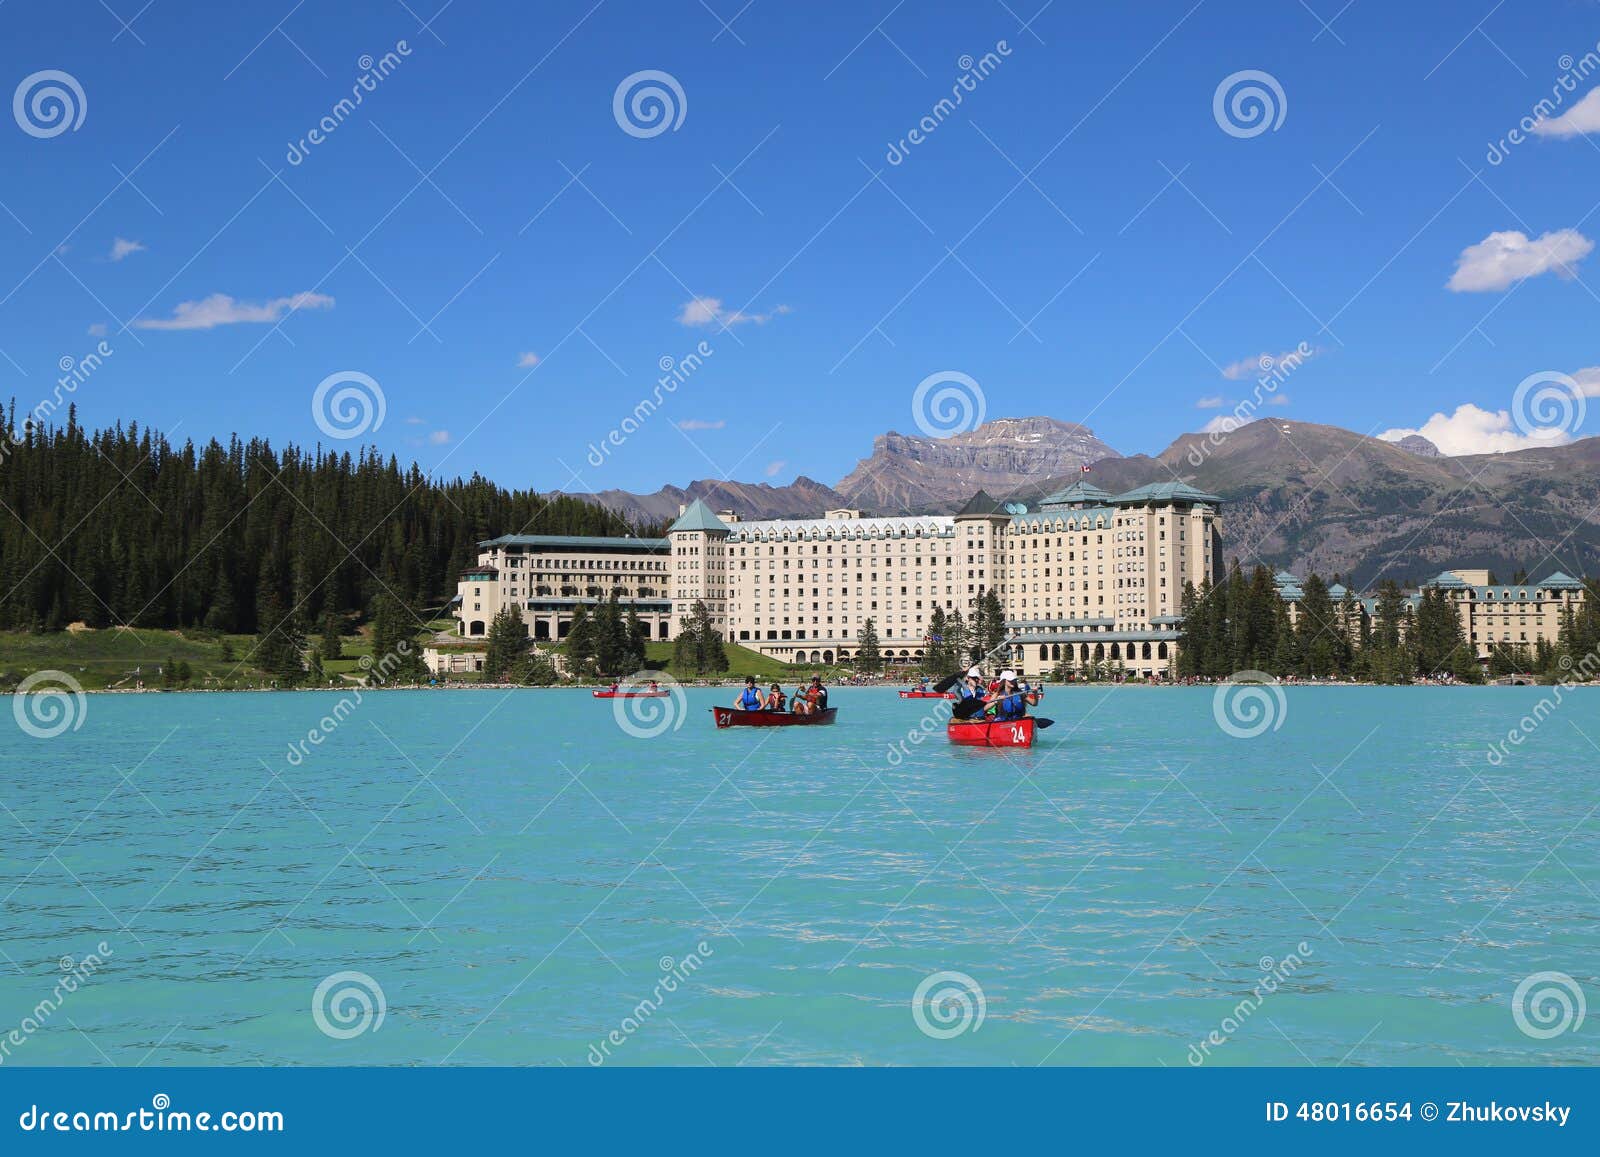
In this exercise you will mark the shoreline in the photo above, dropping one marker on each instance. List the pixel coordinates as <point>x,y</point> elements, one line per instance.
<point>736,683</point>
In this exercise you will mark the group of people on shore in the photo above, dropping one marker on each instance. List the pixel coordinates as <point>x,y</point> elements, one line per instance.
<point>808,700</point>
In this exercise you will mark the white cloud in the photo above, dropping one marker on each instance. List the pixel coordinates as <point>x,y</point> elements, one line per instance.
<point>774,467</point>
<point>121,248</point>
<point>708,311</point>
<point>701,424</point>
<point>1214,402</point>
<point>1474,430</point>
<point>415,421</point>
<point>1501,260</point>
<point>1225,424</point>
<point>1278,400</point>
<point>1581,118</point>
<point>220,309</point>
<point>1265,363</point>
<point>439,437</point>
<point>527,360</point>
<point>98,329</point>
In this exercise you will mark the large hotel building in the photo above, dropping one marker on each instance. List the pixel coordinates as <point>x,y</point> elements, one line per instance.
<point>1085,577</point>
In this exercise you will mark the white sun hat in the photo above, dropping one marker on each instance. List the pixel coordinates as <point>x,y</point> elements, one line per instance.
<point>1008,675</point>
<point>974,673</point>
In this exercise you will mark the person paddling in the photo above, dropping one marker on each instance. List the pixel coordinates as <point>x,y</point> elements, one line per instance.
<point>1009,701</point>
<point>818,694</point>
<point>750,698</point>
<point>971,687</point>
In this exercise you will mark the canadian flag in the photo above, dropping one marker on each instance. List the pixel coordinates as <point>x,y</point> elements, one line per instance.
<point>1085,468</point>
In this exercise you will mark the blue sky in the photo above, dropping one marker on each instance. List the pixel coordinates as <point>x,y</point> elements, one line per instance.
<point>1081,236</point>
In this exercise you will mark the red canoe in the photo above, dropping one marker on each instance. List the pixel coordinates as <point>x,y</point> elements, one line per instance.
<point>630,694</point>
<point>732,717</point>
<point>927,694</point>
<point>991,732</point>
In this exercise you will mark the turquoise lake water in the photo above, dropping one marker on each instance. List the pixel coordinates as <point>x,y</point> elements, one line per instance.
<point>516,873</point>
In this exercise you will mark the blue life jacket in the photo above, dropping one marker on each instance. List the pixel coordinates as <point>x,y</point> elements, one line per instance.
<point>750,700</point>
<point>1011,707</point>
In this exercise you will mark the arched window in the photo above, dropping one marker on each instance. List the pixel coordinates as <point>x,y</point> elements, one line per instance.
<point>1147,650</point>
<point>1161,650</point>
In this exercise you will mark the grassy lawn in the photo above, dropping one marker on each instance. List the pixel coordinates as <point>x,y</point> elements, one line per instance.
<point>742,661</point>
<point>99,659</point>
<point>111,658</point>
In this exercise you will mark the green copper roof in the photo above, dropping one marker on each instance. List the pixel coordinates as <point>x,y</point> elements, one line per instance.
<point>1076,494</point>
<point>699,516</point>
<point>1165,492</point>
<point>576,541</point>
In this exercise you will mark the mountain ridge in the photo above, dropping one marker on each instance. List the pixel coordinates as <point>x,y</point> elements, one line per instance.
<point>1296,495</point>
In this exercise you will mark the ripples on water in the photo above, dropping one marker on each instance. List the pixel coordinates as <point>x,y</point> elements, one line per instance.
<point>515,873</point>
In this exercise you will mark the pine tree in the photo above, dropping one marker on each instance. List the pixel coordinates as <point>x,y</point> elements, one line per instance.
<point>1191,644</point>
<point>1318,630</point>
<point>992,636</point>
<point>941,659</point>
<point>331,646</point>
<point>506,646</point>
<point>868,659</point>
<point>698,648</point>
<point>537,670</point>
<point>581,642</point>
